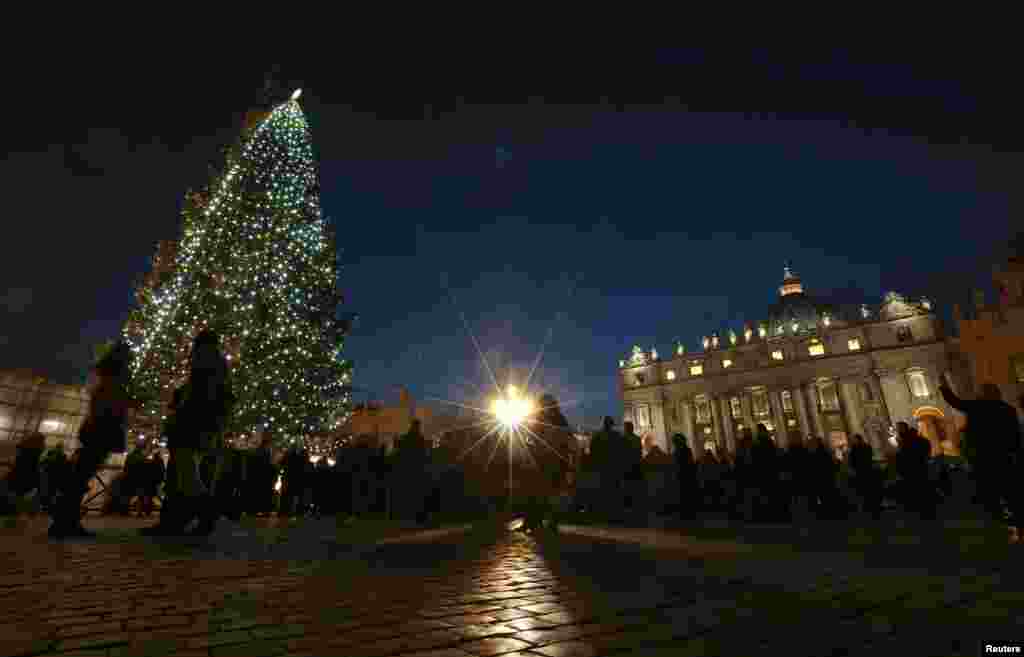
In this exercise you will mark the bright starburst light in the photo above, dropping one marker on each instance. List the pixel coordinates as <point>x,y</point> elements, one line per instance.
<point>511,410</point>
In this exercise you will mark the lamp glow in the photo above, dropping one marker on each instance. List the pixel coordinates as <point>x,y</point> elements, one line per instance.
<point>511,411</point>
<point>296,94</point>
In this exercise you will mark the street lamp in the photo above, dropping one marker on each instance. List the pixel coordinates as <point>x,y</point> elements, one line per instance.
<point>511,410</point>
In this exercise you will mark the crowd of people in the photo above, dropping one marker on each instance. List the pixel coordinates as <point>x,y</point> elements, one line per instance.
<point>763,482</point>
<point>203,480</point>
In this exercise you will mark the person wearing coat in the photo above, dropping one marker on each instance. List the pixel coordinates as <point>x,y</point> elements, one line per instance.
<point>102,433</point>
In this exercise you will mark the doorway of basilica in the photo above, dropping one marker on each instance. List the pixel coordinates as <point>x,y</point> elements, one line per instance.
<point>931,423</point>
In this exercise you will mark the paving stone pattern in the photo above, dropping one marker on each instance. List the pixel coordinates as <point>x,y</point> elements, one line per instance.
<point>491,595</point>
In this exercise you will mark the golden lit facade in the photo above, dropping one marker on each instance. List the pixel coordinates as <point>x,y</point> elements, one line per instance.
<point>808,369</point>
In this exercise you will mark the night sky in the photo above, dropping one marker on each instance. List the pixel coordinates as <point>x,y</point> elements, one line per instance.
<point>573,202</point>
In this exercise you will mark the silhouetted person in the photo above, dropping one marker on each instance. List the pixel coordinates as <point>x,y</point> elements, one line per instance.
<point>602,446</point>
<point>53,469</point>
<point>409,485</point>
<point>198,415</point>
<point>765,475</point>
<point>866,478</point>
<point>743,476</point>
<point>262,475</point>
<point>102,433</point>
<point>995,448</point>
<point>822,471</point>
<point>295,482</point>
<point>152,476</point>
<point>912,465</point>
<point>686,477</point>
<point>25,477</point>
<point>629,454</point>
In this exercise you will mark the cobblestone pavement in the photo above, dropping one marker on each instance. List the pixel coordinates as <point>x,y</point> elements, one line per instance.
<point>494,594</point>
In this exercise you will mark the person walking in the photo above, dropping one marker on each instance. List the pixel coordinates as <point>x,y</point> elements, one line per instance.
<point>102,433</point>
<point>686,477</point>
<point>200,410</point>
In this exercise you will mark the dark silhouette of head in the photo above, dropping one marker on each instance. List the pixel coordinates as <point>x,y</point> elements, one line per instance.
<point>609,423</point>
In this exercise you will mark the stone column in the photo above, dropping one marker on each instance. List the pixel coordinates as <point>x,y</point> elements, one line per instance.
<point>803,417</point>
<point>748,413</point>
<point>730,427</point>
<point>811,399</point>
<point>686,406</point>
<point>849,405</point>
<point>779,417</point>
<point>716,419</point>
<point>875,381</point>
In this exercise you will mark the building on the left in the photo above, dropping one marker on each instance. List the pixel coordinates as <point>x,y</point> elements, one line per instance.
<point>30,403</point>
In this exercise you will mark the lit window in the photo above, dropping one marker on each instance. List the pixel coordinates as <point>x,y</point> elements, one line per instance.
<point>853,344</point>
<point>726,363</point>
<point>714,341</point>
<point>762,330</point>
<point>737,408</point>
<point>780,330</point>
<point>918,384</point>
<point>816,348</point>
<point>826,320</point>
<point>747,334</point>
<point>696,370</point>
<point>787,401</point>
<point>777,354</point>
<point>791,422</point>
<point>796,326</point>
<point>670,375</point>
<point>707,445</point>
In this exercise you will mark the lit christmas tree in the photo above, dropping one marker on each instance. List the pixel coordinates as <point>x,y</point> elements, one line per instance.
<point>258,264</point>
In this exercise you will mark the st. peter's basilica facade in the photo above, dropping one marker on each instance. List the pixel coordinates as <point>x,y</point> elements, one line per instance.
<point>808,369</point>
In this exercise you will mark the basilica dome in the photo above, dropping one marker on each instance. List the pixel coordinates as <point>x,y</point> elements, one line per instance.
<point>795,306</point>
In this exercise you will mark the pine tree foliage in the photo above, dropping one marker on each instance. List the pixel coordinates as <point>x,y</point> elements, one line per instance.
<point>256,262</point>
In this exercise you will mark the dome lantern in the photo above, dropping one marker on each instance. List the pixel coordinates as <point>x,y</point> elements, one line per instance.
<point>790,282</point>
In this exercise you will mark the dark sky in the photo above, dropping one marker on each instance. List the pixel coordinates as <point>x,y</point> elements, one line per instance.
<point>573,202</point>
